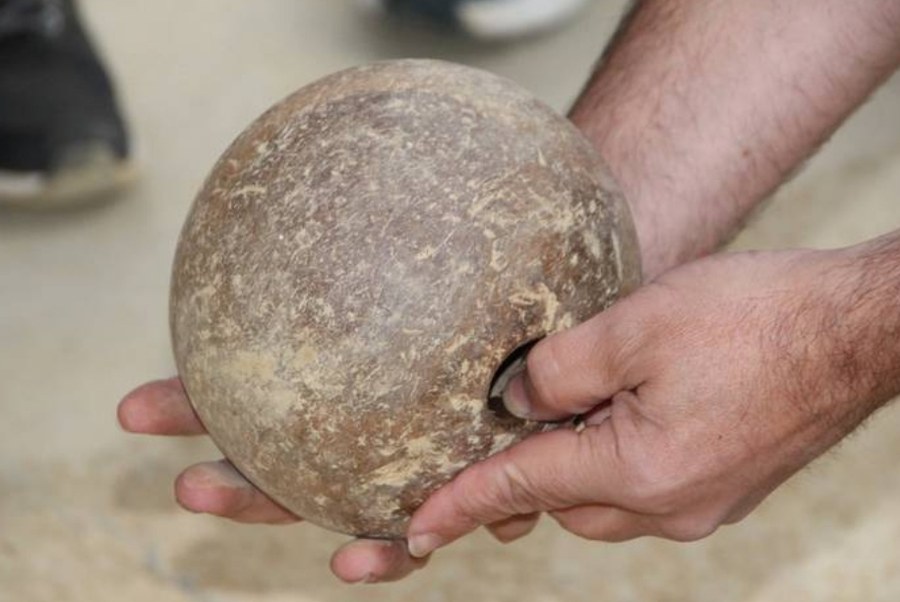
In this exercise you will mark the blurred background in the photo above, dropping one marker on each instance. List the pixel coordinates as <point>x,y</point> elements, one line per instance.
<point>87,513</point>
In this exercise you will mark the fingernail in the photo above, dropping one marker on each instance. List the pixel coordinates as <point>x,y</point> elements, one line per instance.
<point>367,578</point>
<point>515,397</point>
<point>420,546</point>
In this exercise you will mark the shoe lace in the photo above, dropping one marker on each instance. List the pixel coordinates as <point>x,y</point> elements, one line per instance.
<point>41,17</point>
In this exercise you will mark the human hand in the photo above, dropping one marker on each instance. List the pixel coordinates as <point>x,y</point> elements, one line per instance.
<point>701,393</point>
<point>162,408</point>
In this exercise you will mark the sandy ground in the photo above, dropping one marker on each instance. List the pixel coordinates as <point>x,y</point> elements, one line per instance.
<point>86,512</point>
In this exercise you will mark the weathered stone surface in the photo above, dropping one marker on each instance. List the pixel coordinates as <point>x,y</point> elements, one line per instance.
<point>361,260</point>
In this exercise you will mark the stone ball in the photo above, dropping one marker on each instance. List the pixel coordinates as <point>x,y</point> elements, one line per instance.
<point>362,260</point>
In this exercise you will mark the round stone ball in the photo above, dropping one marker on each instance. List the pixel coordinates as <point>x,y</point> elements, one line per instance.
<point>360,262</point>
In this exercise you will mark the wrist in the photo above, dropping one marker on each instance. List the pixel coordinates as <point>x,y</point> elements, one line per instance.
<point>852,305</point>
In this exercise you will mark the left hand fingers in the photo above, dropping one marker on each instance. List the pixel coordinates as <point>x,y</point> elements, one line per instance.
<point>218,488</point>
<point>374,561</point>
<point>159,408</point>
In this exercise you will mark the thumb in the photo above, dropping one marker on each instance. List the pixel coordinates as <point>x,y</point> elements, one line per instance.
<point>571,372</point>
<point>549,471</point>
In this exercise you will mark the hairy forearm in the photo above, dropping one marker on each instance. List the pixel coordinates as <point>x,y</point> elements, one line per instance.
<point>837,330</point>
<point>862,291</point>
<point>703,107</point>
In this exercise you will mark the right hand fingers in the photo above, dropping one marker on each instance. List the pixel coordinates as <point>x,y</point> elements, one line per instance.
<point>549,471</point>
<point>375,561</point>
<point>159,408</point>
<point>605,523</point>
<point>514,527</point>
<point>217,488</point>
<point>571,372</point>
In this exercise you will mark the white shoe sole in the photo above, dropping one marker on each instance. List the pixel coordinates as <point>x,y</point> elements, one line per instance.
<point>504,19</point>
<point>93,179</point>
<point>501,19</point>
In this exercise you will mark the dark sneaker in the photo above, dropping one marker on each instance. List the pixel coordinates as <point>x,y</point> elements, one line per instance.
<point>487,19</point>
<point>62,139</point>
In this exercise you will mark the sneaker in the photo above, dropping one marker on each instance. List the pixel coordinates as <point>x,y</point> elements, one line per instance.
<point>62,139</point>
<point>487,19</point>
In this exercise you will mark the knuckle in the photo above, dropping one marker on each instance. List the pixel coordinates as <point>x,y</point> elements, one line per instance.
<point>687,528</point>
<point>516,491</point>
<point>514,528</point>
<point>595,528</point>
<point>489,496</point>
<point>607,534</point>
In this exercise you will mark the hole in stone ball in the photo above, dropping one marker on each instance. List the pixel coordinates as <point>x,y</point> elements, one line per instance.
<point>508,368</point>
